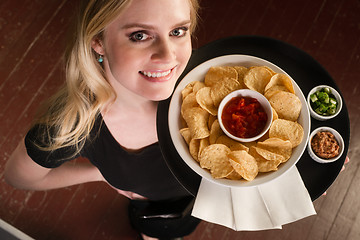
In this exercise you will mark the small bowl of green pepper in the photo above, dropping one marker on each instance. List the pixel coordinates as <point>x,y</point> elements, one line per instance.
<point>324,102</point>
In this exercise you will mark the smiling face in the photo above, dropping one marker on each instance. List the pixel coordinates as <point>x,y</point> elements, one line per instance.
<point>147,48</point>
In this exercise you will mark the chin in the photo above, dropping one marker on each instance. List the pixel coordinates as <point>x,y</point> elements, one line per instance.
<point>162,95</point>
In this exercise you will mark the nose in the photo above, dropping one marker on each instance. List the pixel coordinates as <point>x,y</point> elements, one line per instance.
<point>164,51</point>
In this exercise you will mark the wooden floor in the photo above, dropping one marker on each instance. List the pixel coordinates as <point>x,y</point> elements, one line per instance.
<point>32,40</point>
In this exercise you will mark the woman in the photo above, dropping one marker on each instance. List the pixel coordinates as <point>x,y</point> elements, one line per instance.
<point>126,56</point>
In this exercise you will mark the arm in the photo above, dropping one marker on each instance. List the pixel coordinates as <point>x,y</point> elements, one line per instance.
<point>22,172</point>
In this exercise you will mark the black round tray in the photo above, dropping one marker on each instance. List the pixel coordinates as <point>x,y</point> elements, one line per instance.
<point>307,73</point>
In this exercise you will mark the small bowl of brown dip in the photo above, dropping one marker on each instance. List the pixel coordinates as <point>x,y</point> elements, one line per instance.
<point>325,145</point>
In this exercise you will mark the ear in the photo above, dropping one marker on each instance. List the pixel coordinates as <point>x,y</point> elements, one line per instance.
<point>98,46</point>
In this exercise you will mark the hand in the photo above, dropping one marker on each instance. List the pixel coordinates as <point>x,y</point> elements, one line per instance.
<point>347,159</point>
<point>128,194</point>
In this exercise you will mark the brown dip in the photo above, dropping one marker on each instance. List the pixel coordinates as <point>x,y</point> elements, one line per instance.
<point>325,145</point>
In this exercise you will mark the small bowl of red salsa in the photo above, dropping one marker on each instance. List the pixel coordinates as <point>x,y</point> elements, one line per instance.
<point>245,115</point>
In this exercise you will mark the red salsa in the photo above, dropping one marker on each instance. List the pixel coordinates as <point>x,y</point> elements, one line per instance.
<point>244,117</point>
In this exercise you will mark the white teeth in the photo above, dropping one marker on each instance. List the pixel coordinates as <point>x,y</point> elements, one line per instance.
<point>156,74</point>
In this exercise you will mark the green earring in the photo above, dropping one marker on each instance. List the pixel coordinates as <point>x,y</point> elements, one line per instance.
<point>100,60</point>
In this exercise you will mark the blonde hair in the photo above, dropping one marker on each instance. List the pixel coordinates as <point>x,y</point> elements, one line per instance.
<point>70,114</point>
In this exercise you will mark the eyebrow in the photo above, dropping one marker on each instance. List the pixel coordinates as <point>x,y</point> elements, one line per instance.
<point>146,26</point>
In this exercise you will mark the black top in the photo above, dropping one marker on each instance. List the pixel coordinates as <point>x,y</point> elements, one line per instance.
<point>144,172</point>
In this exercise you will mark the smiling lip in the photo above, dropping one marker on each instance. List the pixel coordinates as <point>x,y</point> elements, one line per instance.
<point>158,76</point>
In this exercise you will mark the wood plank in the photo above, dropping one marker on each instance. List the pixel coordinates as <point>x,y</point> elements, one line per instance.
<point>19,36</point>
<point>34,68</point>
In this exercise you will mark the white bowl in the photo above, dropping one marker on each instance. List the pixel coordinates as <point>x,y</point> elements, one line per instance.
<point>338,138</point>
<point>336,95</point>
<point>246,93</point>
<point>176,123</point>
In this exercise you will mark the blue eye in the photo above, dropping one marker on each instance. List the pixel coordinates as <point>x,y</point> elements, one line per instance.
<point>139,36</point>
<point>179,32</point>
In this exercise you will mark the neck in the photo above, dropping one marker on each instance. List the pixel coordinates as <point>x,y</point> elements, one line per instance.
<point>132,103</point>
<point>130,108</point>
<point>132,123</point>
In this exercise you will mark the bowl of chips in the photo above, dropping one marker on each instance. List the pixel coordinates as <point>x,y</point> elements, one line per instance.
<point>199,140</point>
<point>245,115</point>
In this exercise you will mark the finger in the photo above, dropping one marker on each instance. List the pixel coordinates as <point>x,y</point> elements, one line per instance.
<point>124,193</point>
<point>347,159</point>
<point>137,196</point>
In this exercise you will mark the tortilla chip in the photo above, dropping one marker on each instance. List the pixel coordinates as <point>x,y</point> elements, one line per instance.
<point>287,105</point>
<point>185,133</point>
<point>241,73</point>
<point>264,165</point>
<point>197,86</point>
<point>214,157</point>
<point>194,147</point>
<point>215,132</point>
<point>218,73</point>
<point>234,175</point>
<point>189,102</point>
<point>244,164</point>
<point>196,119</point>
<point>268,155</point>
<point>278,146</point>
<point>287,130</point>
<point>204,142</point>
<point>222,88</point>
<point>257,78</point>
<point>230,143</point>
<point>281,79</point>
<point>204,100</point>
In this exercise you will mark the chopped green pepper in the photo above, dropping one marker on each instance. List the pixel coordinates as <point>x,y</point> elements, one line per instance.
<point>323,102</point>
<point>313,97</point>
